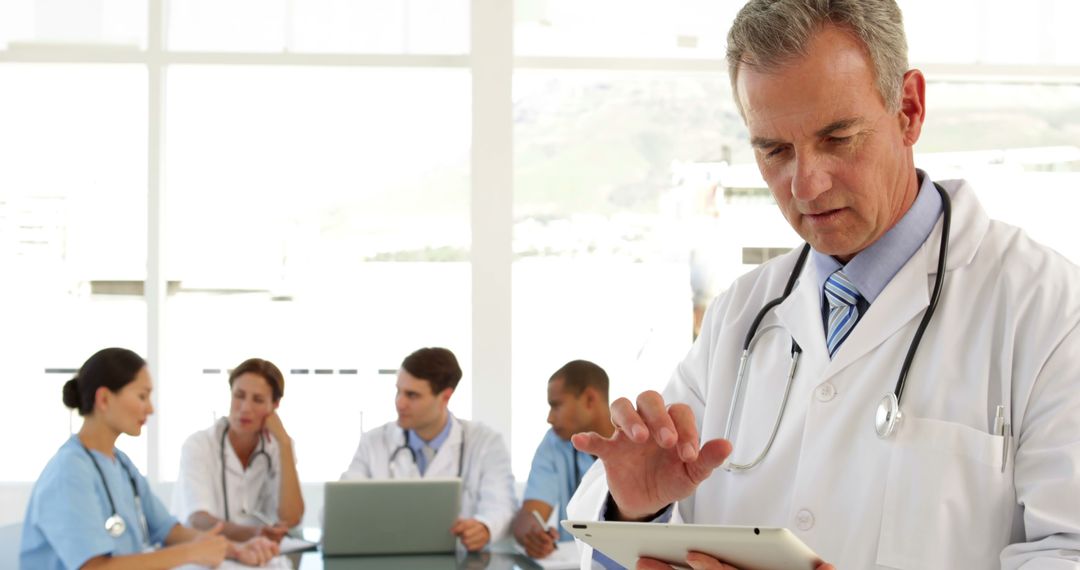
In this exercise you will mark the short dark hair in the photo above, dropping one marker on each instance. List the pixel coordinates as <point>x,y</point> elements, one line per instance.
<point>263,368</point>
<point>112,368</point>
<point>580,374</point>
<point>438,366</point>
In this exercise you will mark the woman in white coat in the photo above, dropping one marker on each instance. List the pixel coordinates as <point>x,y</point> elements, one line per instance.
<point>241,471</point>
<point>457,448</point>
<point>91,508</point>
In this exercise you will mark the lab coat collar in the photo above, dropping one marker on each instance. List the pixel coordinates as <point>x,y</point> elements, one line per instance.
<point>445,462</point>
<point>903,299</point>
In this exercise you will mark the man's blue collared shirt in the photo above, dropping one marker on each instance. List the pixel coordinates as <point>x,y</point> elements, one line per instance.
<point>417,444</point>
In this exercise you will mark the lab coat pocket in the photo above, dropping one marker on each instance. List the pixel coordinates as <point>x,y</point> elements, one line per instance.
<point>947,504</point>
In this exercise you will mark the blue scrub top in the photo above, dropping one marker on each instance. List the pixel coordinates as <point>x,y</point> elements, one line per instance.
<point>552,478</point>
<point>65,520</point>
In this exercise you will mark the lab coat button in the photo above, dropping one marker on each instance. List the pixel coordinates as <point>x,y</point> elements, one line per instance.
<point>804,519</point>
<point>826,392</point>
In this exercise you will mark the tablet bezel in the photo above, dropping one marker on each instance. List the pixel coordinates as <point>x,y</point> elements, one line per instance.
<point>745,547</point>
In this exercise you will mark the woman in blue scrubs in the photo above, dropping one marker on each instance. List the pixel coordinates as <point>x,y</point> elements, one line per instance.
<point>91,508</point>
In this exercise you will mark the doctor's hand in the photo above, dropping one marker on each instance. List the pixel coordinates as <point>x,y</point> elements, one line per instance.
<point>652,459</point>
<point>208,548</point>
<point>537,541</point>
<point>474,534</point>
<point>272,425</point>
<point>699,561</point>
<point>255,552</point>
<point>275,532</point>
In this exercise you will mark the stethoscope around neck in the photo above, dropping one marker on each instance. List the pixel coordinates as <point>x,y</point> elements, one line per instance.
<point>115,524</point>
<point>251,461</point>
<point>412,452</point>
<point>887,416</point>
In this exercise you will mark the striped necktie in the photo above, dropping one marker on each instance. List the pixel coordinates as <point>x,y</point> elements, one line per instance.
<point>843,300</point>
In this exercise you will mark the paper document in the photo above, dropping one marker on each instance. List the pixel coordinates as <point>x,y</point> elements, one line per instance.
<point>565,557</point>
<point>276,563</point>
<point>290,544</point>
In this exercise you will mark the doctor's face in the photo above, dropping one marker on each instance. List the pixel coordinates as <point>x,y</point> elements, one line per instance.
<point>252,401</point>
<point>568,413</point>
<point>126,411</point>
<point>418,408</point>
<point>838,163</point>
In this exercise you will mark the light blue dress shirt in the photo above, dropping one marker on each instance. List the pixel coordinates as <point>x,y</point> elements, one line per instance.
<point>65,520</point>
<point>874,267</point>
<point>417,444</point>
<point>552,478</point>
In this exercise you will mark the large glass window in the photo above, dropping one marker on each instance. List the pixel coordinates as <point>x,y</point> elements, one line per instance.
<point>342,26</point>
<point>323,226</point>
<point>622,28</point>
<point>72,242</point>
<point>79,22</point>
<point>626,207</point>
<point>1022,158</point>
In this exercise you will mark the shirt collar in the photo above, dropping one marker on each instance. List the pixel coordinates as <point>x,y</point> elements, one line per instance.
<point>417,444</point>
<point>872,268</point>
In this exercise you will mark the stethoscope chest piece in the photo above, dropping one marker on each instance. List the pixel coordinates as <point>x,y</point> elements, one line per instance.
<point>115,526</point>
<point>887,417</point>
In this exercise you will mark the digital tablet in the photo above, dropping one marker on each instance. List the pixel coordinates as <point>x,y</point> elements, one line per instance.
<point>745,547</point>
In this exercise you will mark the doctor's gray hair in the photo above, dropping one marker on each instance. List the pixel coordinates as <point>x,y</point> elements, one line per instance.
<point>767,34</point>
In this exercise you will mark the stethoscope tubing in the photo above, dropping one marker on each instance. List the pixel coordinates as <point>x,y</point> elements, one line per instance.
<point>412,452</point>
<point>889,408</point>
<point>112,504</point>
<point>260,451</point>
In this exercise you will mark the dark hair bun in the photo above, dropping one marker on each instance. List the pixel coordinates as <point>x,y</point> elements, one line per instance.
<point>71,393</point>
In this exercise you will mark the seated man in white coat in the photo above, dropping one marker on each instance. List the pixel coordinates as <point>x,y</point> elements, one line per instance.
<point>906,404</point>
<point>428,441</point>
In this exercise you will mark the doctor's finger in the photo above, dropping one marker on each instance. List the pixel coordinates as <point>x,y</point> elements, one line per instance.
<point>627,420</point>
<point>651,407</point>
<point>650,564</point>
<point>699,561</point>
<point>683,418</point>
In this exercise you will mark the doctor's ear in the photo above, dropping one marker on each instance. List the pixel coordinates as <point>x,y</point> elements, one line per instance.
<point>912,106</point>
<point>101,398</point>
<point>444,396</point>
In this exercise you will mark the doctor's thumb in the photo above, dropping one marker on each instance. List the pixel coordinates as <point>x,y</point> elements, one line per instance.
<point>712,455</point>
<point>589,442</point>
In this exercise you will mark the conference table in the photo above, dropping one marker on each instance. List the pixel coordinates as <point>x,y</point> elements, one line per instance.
<point>502,556</point>
<point>473,561</point>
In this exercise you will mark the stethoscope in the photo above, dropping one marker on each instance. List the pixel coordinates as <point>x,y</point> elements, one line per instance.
<point>260,451</point>
<point>887,416</point>
<point>115,524</point>
<point>577,470</point>
<point>412,452</point>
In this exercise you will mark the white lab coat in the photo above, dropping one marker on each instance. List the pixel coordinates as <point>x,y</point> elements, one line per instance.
<point>488,482</point>
<point>933,496</point>
<point>252,490</point>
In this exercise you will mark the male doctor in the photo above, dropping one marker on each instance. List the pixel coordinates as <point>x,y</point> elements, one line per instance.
<point>428,441</point>
<point>983,468</point>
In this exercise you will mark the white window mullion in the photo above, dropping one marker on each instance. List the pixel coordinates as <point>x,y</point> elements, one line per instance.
<point>155,288</point>
<point>492,208</point>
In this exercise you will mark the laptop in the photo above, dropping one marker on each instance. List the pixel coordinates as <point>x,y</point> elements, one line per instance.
<point>390,516</point>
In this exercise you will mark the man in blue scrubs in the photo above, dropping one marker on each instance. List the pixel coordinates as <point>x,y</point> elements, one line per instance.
<point>578,397</point>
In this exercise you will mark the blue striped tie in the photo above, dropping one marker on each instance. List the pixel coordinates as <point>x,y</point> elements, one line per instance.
<point>843,300</point>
